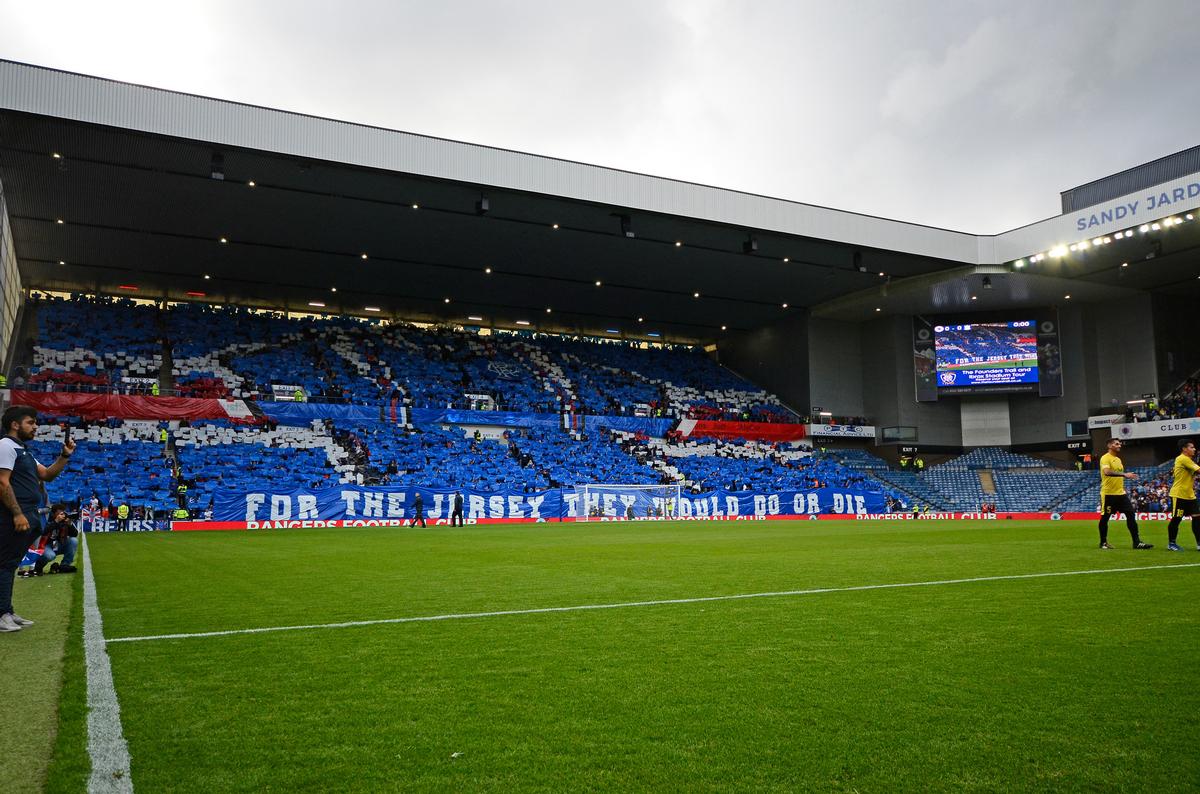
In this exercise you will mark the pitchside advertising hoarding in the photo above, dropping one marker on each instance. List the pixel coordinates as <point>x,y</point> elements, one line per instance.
<point>364,507</point>
<point>182,526</point>
<point>392,505</point>
<point>842,431</point>
<point>132,525</point>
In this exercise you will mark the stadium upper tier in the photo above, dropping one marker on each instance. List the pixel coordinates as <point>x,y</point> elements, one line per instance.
<point>103,344</point>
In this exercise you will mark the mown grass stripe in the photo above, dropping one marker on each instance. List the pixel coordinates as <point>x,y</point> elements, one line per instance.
<point>106,742</point>
<point>629,604</point>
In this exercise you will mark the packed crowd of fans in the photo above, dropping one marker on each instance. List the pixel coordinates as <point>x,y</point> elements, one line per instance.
<point>1183,403</point>
<point>1151,495</point>
<point>90,343</point>
<point>226,351</point>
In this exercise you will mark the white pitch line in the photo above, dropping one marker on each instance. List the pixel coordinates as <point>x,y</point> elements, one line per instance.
<point>106,742</point>
<point>629,604</point>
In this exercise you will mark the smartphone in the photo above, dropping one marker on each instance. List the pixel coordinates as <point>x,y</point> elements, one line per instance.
<point>66,434</point>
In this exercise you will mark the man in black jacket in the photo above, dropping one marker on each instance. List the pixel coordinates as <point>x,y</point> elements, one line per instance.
<point>457,513</point>
<point>418,511</point>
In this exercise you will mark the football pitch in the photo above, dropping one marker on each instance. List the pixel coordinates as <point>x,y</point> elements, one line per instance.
<point>710,656</point>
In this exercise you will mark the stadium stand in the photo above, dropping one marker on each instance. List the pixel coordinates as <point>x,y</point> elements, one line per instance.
<point>434,457</point>
<point>1182,402</point>
<point>126,461</point>
<point>1148,493</point>
<point>118,461</point>
<point>112,344</point>
<point>1021,483</point>
<point>735,465</point>
<point>222,351</point>
<point>859,459</point>
<point>218,455</point>
<point>1031,490</point>
<point>917,488</point>
<point>993,458</point>
<point>95,344</point>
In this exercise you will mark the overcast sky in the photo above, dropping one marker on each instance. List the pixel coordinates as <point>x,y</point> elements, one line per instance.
<point>965,114</point>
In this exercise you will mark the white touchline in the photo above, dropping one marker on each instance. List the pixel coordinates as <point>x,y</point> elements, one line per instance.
<point>106,742</point>
<point>630,604</point>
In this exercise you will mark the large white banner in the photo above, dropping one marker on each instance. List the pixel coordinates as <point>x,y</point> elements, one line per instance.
<point>841,431</point>
<point>1159,429</point>
<point>236,409</point>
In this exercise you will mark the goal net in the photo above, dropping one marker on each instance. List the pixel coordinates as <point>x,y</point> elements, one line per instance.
<point>625,502</point>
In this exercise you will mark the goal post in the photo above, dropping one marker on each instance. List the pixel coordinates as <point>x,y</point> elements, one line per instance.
<point>611,502</point>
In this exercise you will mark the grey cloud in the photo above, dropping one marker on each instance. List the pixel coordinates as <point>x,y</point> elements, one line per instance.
<point>970,115</point>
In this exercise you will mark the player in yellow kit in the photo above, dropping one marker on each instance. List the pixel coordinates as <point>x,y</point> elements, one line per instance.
<point>1112,495</point>
<point>1183,495</point>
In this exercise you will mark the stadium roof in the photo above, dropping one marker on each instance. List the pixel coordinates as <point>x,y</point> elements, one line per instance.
<point>158,190</point>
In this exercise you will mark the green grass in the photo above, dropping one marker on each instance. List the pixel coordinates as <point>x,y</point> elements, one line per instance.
<point>1077,683</point>
<point>70,765</point>
<point>33,663</point>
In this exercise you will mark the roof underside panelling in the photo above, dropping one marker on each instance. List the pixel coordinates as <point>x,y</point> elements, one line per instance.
<point>96,101</point>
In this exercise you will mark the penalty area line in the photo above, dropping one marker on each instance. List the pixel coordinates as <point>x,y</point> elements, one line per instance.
<point>650,603</point>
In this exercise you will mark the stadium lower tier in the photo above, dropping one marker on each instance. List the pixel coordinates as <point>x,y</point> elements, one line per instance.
<point>151,469</point>
<point>155,469</point>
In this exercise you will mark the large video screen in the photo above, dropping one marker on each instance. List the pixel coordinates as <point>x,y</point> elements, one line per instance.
<point>986,354</point>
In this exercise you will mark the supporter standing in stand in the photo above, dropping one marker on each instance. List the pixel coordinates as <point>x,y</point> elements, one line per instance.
<point>21,494</point>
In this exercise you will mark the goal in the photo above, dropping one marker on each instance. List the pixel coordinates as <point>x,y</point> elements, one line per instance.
<point>605,502</point>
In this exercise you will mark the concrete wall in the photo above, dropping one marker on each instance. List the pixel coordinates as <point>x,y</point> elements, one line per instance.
<point>1108,353</point>
<point>985,421</point>
<point>1037,420</point>
<point>1119,342</point>
<point>888,387</point>
<point>774,357</point>
<point>10,285</point>
<point>835,366</point>
<point>1178,350</point>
